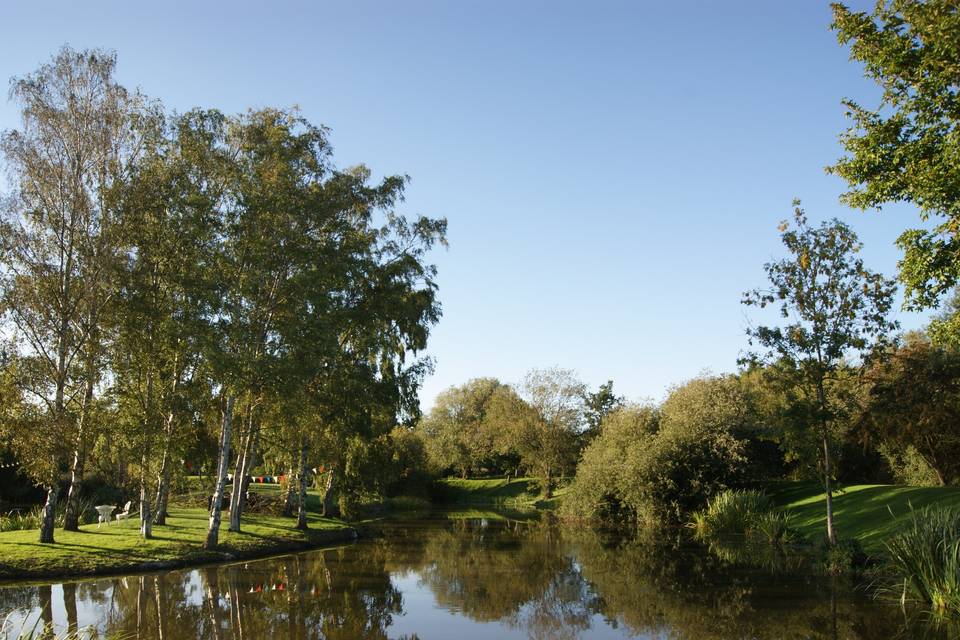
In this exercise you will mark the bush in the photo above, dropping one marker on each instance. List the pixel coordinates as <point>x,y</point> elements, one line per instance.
<point>843,557</point>
<point>597,491</point>
<point>923,560</point>
<point>657,466</point>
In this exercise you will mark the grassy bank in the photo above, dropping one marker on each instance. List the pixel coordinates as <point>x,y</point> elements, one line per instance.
<point>518,492</point>
<point>869,513</point>
<point>118,548</point>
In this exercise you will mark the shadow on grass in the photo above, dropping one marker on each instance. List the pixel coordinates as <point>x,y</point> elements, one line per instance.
<point>870,513</point>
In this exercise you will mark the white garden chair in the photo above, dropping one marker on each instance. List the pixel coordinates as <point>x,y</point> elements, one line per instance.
<point>123,515</point>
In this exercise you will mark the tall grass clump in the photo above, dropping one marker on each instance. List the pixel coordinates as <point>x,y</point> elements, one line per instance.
<point>923,560</point>
<point>30,519</point>
<point>732,512</point>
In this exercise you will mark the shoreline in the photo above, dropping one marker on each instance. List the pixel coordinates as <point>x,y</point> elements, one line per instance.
<point>93,552</point>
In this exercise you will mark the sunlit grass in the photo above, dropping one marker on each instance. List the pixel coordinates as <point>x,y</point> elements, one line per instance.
<point>869,513</point>
<point>119,547</point>
<point>498,491</point>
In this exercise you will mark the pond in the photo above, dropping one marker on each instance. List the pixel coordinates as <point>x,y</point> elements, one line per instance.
<point>465,576</point>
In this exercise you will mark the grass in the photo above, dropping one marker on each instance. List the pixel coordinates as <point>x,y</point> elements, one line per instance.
<point>871,514</point>
<point>518,492</point>
<point>119,548</point>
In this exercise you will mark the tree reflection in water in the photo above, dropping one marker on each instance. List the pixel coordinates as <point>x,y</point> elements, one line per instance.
<point>530,579</point>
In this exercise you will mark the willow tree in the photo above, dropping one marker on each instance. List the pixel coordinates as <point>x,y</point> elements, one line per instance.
<point>833,308</point>
<point>80,133</point>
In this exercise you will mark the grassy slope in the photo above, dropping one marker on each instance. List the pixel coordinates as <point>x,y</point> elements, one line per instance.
<point>119,548</point>
<point>496,491</point>
<point>870,513</point>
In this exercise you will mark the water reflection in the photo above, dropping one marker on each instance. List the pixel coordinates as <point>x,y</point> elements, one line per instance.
<point>468,578</point>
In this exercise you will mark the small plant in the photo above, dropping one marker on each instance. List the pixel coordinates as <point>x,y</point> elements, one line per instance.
<point>843,557</point>
<point>923,560</point>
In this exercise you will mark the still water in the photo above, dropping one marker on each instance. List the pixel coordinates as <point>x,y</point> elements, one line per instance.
<point>466,576</point>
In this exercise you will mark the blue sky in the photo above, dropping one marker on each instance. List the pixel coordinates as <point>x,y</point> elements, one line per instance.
<point>613,172</point>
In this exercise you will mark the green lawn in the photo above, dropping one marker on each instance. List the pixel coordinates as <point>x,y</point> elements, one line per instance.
<point>516,492</point>
<point>870,513</point>
<point>118,547</point>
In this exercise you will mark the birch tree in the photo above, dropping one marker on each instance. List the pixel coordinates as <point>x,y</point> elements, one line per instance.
<point>80,133</point>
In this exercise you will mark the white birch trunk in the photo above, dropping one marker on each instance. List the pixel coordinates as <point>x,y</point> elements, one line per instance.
<point>213,529</point>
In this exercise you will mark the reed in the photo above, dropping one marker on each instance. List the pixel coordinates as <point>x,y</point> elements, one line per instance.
<point>732,512</point>
<point>923,560</point>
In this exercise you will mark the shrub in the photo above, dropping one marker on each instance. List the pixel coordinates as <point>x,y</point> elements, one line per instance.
<point>843,557</point>
<point>657,466</point>
<point>923,560</point>
<point>597,491</point>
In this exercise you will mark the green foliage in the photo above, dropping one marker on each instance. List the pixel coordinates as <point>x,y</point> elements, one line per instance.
<point>906,149</point>
<point>459,433</point>
<point>537,424</point>
<point>656,466</point>
<point>923,560</point>
<point>604,471</point>
<point>598,405</point>
<point>914,408</point>
<point>746,514</point>
<point>908,466</point>
<point>775,526</point>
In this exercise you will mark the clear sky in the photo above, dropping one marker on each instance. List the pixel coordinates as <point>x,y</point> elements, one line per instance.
<point>613,172</point>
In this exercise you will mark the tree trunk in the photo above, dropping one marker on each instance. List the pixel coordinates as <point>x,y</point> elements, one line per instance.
<point>831,534</point>
<point>163,476</point>
<point>821,398</point>
<point>146,518</point>
<point>302,479</point>
<point>70,606</point>
<point>163,488</point>
<point>328,493</point>
<point>288,498</point>
<point>46,610</point>
<point>213,528</point>
<point>549,486</point>
<point>242,467</point>
<point>252,462</point>
<point>49,513</point>
<point>71,515</point>
<point>241,482</point>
